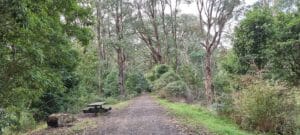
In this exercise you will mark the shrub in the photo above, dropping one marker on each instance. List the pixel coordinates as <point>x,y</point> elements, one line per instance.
<point>167,82</point>
<point>157,71</point>
<point>165,79</point>
<point>266,108</point>
<point>5,120</point>
<point>170,76</point>
<point>192,76</point>
<point>16,120</point>
<point>224,105</point>
<point>176,89</point>
<point>111,85</point>
<point>136,83</point>
<point>159,84</point>
<point>161,69</point>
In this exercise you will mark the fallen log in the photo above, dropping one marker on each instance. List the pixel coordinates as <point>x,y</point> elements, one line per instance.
<point>60,120</point>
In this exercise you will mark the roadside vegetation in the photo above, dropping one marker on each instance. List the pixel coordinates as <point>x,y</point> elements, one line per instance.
<point>59,55</point>
<point>199,119</point>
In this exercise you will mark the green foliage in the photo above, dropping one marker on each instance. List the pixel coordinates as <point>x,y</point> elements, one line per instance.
<point>270,42</point>
<point>225,84</point>
<point>165,79</point>
<point>157,71</point>
<point>169,77</point>
<point>231,64</point>
<point>252,37</point>
<point>37,57</point>
<point>111,100</point>
<point>167,82</point>
<point>176,89</point>
<point>200,119</point>
<point>5,120</point>
<point>136,83</point>
<point>284,54</point>
<point>267,108</point>
<point>111,85</point>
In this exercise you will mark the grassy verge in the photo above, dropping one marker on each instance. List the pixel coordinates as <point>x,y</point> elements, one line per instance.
<point>198,118</point>
<point>117,104</point>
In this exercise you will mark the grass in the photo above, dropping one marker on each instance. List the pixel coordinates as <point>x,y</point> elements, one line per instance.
<point>118,104</point>
<point>81,126</point>
<point>38,128</point>
<point>196,117</point>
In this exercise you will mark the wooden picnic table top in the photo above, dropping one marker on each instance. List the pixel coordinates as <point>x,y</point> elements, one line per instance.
<point>96,104</point>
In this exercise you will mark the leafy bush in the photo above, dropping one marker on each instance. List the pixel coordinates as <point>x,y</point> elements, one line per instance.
<point>224,105</point>
<point>16,120</point>
<point>136,83</point>
<point>170,76</point>
<point>266,108</point>
<point>111,85</point>
<point>157,71</point>
<point>192,76</point>
<point>165,79</point>
<point>167,82</point>
<point>5,120</point>
<point>176,89</point>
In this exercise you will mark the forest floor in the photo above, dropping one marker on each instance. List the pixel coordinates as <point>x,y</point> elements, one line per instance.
<point>141,116</point>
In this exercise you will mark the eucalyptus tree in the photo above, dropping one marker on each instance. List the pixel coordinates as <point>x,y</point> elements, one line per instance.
<point>113,31</point>
<point>169,24</point>
<point>148,27</point>
<point>213,16</point>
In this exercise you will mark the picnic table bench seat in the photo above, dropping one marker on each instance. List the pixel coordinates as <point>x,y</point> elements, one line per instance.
<point>96,107</point>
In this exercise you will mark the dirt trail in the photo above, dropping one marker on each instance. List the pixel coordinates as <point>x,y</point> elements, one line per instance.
<point>142,117</point>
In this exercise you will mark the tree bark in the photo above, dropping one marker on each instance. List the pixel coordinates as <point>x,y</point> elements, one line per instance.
<point>208,78</point>
<point>152,40</point>
<point>121,75</point>
<point>213,15</point>
<point>120,50</point>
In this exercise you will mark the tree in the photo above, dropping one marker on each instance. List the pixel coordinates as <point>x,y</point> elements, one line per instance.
<point>37,59</point>
<point>252,37</point>
<point>213,16</point>
<point>284,53</point>
<point>114,20</point>
<point>149,35</point>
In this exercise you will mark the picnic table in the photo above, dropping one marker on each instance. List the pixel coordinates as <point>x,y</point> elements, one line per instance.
<point>96,108</point>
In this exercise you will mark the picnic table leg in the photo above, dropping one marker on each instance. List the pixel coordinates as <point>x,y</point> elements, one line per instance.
<point>96,111</point>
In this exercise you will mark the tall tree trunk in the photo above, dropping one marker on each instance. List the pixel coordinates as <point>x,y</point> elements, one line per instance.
<point>101,50</point>
<point>121,76</point>
<point>174,32</point>
<point>99,43</point>
<point>120,50</point>
<point>208,78</point>
<point>213,15</point>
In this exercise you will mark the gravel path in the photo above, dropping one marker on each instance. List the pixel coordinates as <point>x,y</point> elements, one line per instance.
<point>142,117</point>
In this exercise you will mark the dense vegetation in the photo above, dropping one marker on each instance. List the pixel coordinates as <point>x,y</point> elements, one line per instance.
<point>58,55</point>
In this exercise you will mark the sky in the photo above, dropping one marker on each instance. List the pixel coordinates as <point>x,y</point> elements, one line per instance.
<point>192,8</point>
